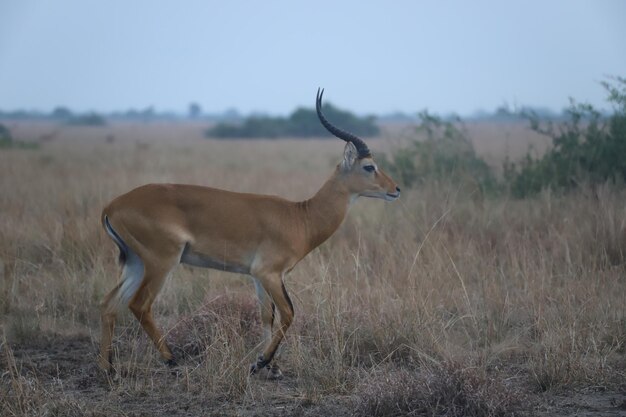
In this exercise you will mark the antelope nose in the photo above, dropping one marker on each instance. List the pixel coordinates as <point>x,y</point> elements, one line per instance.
<point>397,188</point>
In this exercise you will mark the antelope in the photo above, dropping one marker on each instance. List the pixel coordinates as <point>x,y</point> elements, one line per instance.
<point>158,226</point>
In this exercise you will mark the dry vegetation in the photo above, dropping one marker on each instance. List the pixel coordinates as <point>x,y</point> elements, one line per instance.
<point>443,303</point>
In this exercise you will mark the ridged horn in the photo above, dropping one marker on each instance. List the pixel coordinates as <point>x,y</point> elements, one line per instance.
<point>360,146</point>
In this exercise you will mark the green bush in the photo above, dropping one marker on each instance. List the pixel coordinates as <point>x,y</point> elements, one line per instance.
<point>89,119</point>
<point>252,127</point>
<point>8,142</point>
<point>5,134</point>
<point>301,123</point>
<point>587,148</point>
<point>444,153</point>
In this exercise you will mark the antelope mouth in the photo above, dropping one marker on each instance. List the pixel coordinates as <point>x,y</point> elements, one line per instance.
<point>392,196</point>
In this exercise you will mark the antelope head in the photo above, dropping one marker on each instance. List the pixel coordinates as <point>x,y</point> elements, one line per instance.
<point>358,170</point>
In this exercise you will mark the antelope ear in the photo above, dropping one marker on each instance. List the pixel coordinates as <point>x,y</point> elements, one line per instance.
<point>350,155</point>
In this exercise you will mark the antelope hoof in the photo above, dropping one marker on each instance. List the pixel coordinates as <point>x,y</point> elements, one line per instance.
<point>267,372</point>
<point>171,362</point>
<point>106,364</point>
<point>260,364</point>
<point>254,369</point>
<point>264,370</point>
<point>273,372</point>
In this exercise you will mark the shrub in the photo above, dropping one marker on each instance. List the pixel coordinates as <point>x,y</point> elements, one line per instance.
<point>7,140</point>
<point>587,148</point>
<point>252,127</point>
<point>89,119</point>
<point>445,153</point>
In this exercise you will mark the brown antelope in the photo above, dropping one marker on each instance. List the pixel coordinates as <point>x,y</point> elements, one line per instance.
<point>158,226</point>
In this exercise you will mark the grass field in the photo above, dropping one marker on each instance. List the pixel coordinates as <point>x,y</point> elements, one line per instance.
<point>445,302</point>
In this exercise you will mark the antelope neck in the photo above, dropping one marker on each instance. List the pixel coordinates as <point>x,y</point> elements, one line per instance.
<point>325,211</point>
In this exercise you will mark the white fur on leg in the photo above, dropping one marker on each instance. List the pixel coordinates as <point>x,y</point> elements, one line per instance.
<point>132,275</point>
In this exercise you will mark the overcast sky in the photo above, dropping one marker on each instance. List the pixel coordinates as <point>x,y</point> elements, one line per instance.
<point>371,56</point>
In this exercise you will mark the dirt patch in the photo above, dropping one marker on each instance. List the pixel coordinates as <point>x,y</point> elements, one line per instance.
<point>595,401</point>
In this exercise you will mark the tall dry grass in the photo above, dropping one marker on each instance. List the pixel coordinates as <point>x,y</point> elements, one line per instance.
<point>443,287</point>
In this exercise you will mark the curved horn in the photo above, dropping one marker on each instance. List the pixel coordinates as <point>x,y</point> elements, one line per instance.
<point>361,147</point>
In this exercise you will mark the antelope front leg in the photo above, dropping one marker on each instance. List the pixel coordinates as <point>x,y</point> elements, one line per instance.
<point>275,288</point>
<point>268,310</point>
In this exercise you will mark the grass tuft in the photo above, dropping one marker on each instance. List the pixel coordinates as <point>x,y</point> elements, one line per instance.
<point>444,390</point>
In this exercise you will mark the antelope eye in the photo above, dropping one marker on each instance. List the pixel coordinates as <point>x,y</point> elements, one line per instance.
<point>369,168</point>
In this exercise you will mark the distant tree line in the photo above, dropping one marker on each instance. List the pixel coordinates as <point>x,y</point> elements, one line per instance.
<point>301,123</point>
<point>64,115</point>
<point>272,125</point>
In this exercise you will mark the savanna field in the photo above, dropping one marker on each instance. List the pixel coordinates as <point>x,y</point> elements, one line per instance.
<point>447,302</point>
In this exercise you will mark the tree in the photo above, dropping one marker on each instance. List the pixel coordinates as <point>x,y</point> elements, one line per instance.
<point>195,111</point>
<point>62,113</point>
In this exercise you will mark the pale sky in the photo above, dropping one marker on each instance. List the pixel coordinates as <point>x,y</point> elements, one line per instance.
<point>371,56</point>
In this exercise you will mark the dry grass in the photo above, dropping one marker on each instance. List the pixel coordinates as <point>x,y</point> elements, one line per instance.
<point>443,390</point>
<point>405,304</point>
